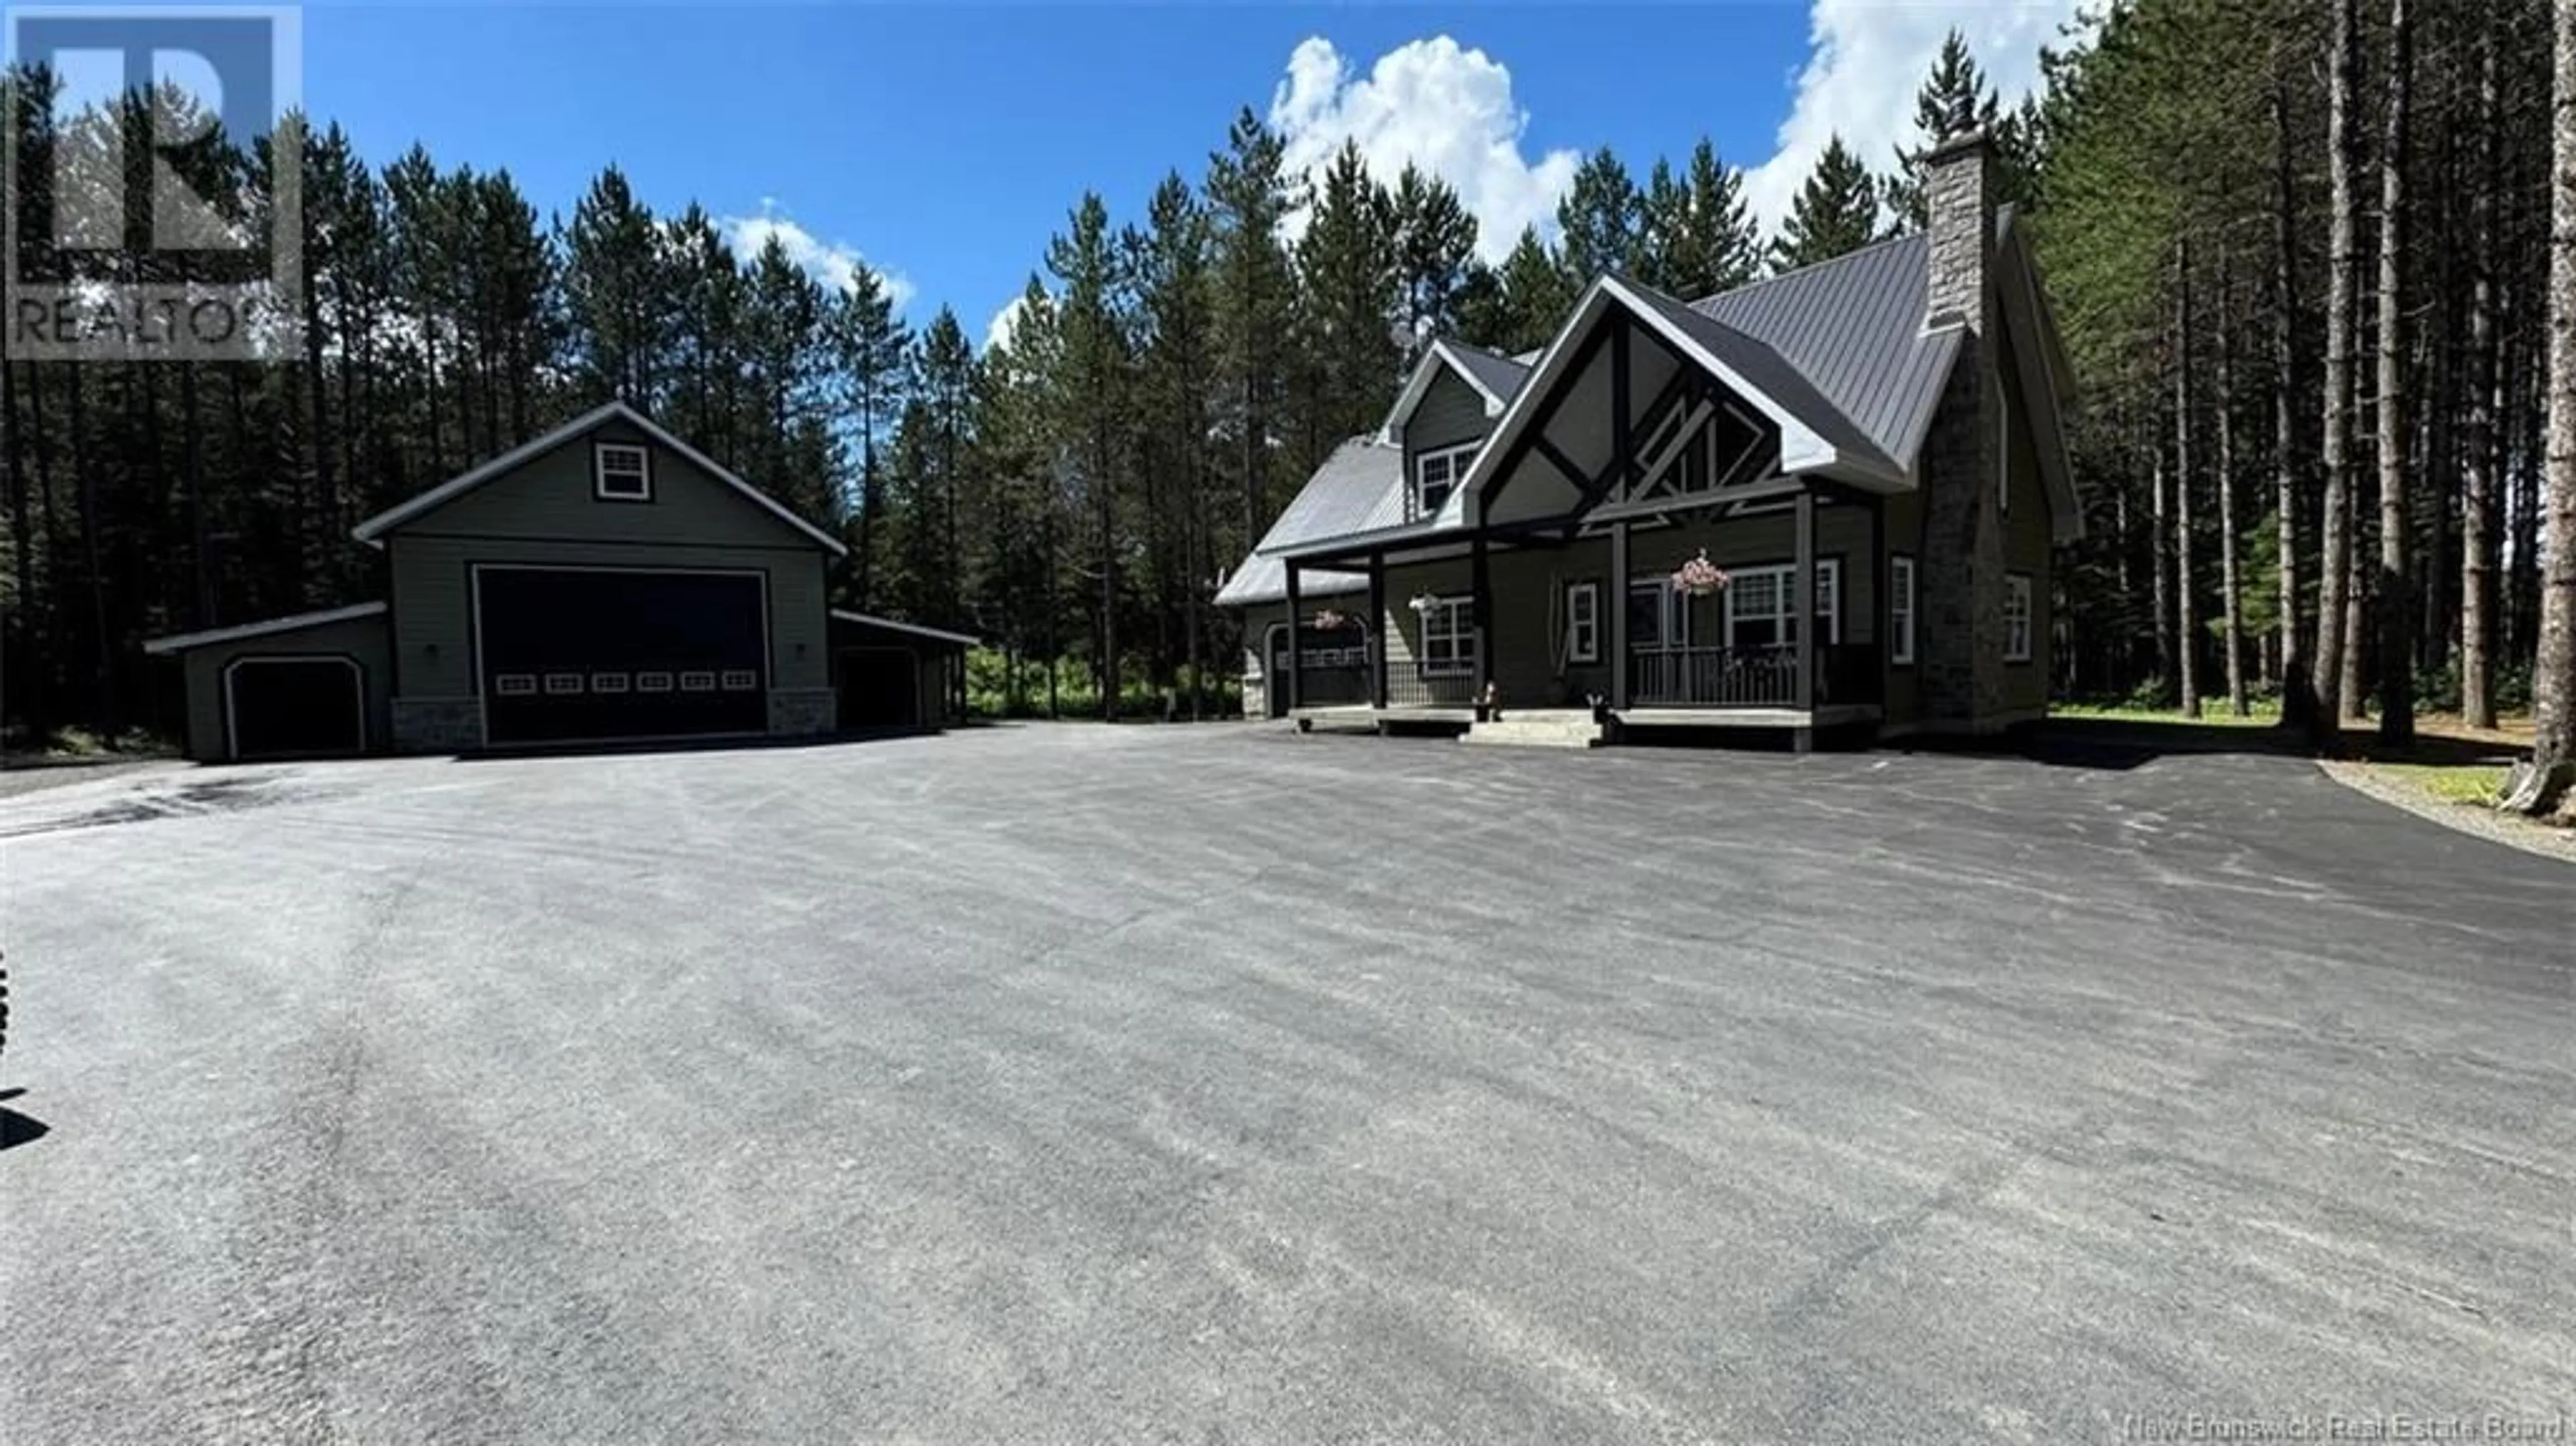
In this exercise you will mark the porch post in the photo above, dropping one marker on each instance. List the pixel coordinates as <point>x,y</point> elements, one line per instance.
<point>1377,628</point>
<point>1296,654</point>
<point>1482,604</point>
<point>1616,600</point>
<point>1805,582</point>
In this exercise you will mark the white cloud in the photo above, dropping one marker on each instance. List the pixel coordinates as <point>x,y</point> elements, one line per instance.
<point>1005,323</point>
<point>1445,109</point>
<point>834,263</point>
<point>1869,57</point>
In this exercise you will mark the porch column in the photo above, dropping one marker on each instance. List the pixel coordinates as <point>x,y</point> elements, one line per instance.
<point>1615,598</point>
<point>1377,629</point>
<point>1296,654</point>
<point>1482,604</point>
<point>1805,581</point>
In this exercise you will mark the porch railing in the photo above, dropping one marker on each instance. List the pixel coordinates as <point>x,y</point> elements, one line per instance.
<point>1339,670</point>
<point>1447,683</point>
<point>1758,677</point>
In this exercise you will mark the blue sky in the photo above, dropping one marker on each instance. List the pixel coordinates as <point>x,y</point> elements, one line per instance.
<point>944,143</point>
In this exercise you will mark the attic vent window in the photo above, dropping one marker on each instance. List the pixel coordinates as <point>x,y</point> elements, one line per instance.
<point>621,473</point>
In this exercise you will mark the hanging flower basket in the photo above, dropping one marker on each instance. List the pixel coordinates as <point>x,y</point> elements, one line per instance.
<point>1423,602</point>
<point>1329,621</point>
<point>1698,577</point>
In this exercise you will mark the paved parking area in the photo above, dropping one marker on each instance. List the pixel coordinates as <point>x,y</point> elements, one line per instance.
<point>1220,1085</point>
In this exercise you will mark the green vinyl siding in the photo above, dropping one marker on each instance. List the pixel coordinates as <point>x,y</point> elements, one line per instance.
<point>551,496</point>
<point>359,639</point>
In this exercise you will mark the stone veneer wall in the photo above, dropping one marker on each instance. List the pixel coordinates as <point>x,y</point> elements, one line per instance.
<point>1962,629</point>
<point>437,725</point>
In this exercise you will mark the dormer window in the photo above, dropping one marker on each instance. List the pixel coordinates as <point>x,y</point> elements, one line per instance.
<point>621,473</point>
<point>1436,474</point>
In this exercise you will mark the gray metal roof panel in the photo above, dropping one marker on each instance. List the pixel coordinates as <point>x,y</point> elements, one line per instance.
<point>1497,373</point>
<point>1853,327</point>
<point>1357,489</point>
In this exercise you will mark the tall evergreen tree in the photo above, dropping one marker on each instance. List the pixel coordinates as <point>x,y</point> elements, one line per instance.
<point>1346,267</point>
<point>1599,219</point>
<point>1248,198</point>
<point>1836,212</point>
<point>1954,99</point>
<point>615,289</point>
<point>1435,238</point>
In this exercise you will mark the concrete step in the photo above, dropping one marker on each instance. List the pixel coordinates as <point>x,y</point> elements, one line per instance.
<point>1539,728</point>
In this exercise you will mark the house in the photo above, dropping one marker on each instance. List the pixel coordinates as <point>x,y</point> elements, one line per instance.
<point>1870,450</point>
<point>606,582</point>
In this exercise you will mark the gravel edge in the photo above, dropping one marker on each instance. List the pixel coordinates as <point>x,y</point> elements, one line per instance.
<point>2485,823</point>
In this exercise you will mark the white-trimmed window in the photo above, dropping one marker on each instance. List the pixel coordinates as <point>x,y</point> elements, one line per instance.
<point>1659,615</point>
<point>655,682</point>
<point>697,682</point>
<point>563,685</point>
<point>514,685</point>
<point>1583,622</point>
<point>1900,609</point>
<point>1436,474</point>
<point>740,680</point>
<point>1449,637</point>
<point>608,682</point>
<point>1762,605</point>
<point>621,472</point>
<point>2017,617</point>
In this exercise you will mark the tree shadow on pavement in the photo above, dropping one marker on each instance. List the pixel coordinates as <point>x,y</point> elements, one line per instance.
<point>17,1129</point>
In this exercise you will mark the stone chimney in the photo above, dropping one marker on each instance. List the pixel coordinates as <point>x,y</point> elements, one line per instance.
<point>1961,642</point>
<point>1959,204</point>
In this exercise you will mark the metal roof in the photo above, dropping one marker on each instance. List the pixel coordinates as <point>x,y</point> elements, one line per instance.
<point>1840,344</point>
<point>937,635</point>
<point>181,642</point>
<point>1495,373</point>
<point>1360,488</point>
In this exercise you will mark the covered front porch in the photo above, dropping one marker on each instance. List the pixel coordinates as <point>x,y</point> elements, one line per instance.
<point>1557,573</point>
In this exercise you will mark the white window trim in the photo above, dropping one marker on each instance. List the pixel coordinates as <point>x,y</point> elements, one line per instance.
<point>1900,620</point>
<point>1673,620</point>
<point>1829,584</point>
<point>600,471</point>
<point>1458,458</point>
<point>1583,632</point>
<point>1459,625</point>
<point>2020,617</point>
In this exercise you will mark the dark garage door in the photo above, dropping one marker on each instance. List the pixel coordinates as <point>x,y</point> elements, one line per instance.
<point>295,707</point>
<point>573,655</point>
<point>880,688</point>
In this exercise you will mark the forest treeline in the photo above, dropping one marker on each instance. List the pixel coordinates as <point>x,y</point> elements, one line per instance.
<point>2299,249</point>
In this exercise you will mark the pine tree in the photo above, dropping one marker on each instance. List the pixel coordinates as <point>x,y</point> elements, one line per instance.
<point>1953,100</point>
<point>1532,294</point>
<point>1598,220</point>
<point>873,349</point>
<point>1247,200</point>
<point>1836,212</point>
<point>1346,270</point>
<point>614,287</point>
<point>1720,246</point>
<point>1435,239</point>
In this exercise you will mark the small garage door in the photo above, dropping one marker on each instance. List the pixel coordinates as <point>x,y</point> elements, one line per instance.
<point>880,688</point>
<point>295,707</point>
<point>573,655</point>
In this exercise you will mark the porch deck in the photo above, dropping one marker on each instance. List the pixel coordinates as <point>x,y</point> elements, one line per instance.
<point>1826,715</point>
<point>1364,716</point>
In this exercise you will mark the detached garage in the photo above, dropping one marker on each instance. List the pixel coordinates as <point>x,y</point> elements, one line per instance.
<point>606,582</point>
<point>892,675</point>
<point>314,685</point>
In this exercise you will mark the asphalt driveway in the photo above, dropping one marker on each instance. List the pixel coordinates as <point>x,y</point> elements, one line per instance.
<point>1083,1084</point>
